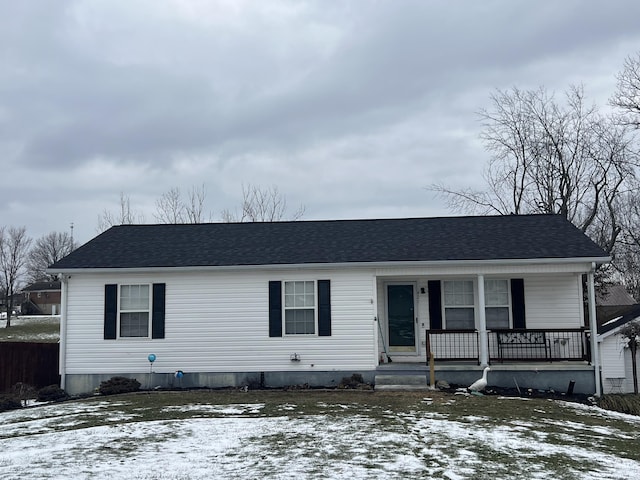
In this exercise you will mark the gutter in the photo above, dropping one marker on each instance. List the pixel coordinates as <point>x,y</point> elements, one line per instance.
<point>409,263</point>
<point>64,279</point>
<point>593,326</point>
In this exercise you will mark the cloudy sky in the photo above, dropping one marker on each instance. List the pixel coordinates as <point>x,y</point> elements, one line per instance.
<point>351,108</point>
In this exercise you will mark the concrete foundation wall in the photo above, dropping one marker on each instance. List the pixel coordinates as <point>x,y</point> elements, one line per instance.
<point>554,377</point>
<point>557,380</point>
<point>88,383</point>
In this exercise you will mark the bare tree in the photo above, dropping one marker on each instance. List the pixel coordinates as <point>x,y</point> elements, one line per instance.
<point>551,157</point>
<point>627,95</point>
<point>627,252</point>
<point>14,249</point>
<point>172,208</point>
<point>262,204</point>
<point>631,333</point>
<point>626,99</point>
<point>194,210</point>
<point>48,249</point>
<point>169,207</point>
<point>126,216</point>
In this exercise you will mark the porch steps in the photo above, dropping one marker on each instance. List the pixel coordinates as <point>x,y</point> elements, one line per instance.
<point>401,381</point>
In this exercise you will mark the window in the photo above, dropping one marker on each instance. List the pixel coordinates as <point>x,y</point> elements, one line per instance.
<point>296,307</point>
<point>496,299</point>
<point>134,310</point>
<point>459,305</point>
<point>299,308</point>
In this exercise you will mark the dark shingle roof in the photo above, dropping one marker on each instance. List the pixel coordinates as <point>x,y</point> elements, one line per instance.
<point>41,286</point>
<point>337,241</point>
<point>632,314</point>
<point>614,295</point>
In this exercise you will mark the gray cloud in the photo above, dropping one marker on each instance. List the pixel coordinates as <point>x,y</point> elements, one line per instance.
<point>350,107</point>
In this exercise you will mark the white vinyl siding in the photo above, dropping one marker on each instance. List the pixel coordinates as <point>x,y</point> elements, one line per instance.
<point>218,322</point>
<point>612,357</point>
<point>553,301</point>
<point>617,365</point>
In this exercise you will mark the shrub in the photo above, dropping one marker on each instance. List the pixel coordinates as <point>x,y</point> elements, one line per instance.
<point>9,402</point>
<point>52,393</point>
<point>117,385</point>
<point>626,403</point>
<point>23,391</point>
<point>355,381</point>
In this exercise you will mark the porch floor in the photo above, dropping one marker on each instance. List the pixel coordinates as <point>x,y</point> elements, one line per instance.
<point>466,366</point>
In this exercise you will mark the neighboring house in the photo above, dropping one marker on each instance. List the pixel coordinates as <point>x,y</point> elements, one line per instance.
<point>41,298</point>
<point>614,301</point>
<point>615,356</point>
<point>16,303</point>
<point>311,302</point>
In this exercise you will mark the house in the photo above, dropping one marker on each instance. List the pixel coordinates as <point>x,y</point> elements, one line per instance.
<point>615,356</point>
<point>41,298</point>
<point>613,301</point>
<point>310,302</point>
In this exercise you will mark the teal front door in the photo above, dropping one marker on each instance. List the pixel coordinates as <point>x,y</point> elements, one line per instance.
<point>401,318</point>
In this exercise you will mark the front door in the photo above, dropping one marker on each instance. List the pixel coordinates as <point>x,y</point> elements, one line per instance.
<point>401,319</point>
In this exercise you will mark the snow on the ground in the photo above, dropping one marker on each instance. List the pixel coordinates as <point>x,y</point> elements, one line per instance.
<point>238,441</point>
<point>24,319</point>
<point>21,320</point>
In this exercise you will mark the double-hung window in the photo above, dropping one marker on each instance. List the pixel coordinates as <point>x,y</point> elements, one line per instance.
<point>299,307</point>
<point>496,299</point>
<point>134,312</point>
<point>459,304</point>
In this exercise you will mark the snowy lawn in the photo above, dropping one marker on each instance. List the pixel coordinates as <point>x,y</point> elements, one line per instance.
<point>317,435</point>
<point>36,328</point>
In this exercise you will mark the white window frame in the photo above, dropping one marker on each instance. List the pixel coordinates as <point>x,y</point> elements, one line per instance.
<point>446,306</point>
<point>487,305</point>
<point>286,308</point>
<point>148,310</point>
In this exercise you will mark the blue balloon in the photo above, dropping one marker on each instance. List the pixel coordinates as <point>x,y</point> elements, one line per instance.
<point>179,374</point>
<point>152,357</point>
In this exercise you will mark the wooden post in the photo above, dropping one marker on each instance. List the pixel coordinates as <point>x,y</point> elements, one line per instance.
<point>432,370</point>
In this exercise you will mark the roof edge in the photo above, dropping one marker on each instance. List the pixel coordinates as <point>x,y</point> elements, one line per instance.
<point>438,263</point>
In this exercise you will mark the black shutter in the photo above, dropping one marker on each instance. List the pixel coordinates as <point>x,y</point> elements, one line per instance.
<point>435,304</point>
<point>157,314</point>
<point>275,309</point>
<point>110,311</point>
<point>517,303</point>
<point>324,308</point>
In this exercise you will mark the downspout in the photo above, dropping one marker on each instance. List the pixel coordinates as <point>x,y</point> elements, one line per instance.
<point>63,329</point>
<point>593,326</point>
<point>376,319</point>
<point>482,324</point>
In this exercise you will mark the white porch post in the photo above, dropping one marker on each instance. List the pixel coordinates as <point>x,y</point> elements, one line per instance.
<point>482,323</point>
<point>593,326</point>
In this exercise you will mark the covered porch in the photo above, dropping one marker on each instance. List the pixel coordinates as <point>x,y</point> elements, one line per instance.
<point>525,321</point>
<point>556,360</point>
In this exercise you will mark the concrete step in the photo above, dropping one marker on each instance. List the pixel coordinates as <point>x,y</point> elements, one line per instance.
<point>401,382</point>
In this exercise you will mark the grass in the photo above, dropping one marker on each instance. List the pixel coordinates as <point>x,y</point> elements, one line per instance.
<point>31,329</point>
<point>325,433</point>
